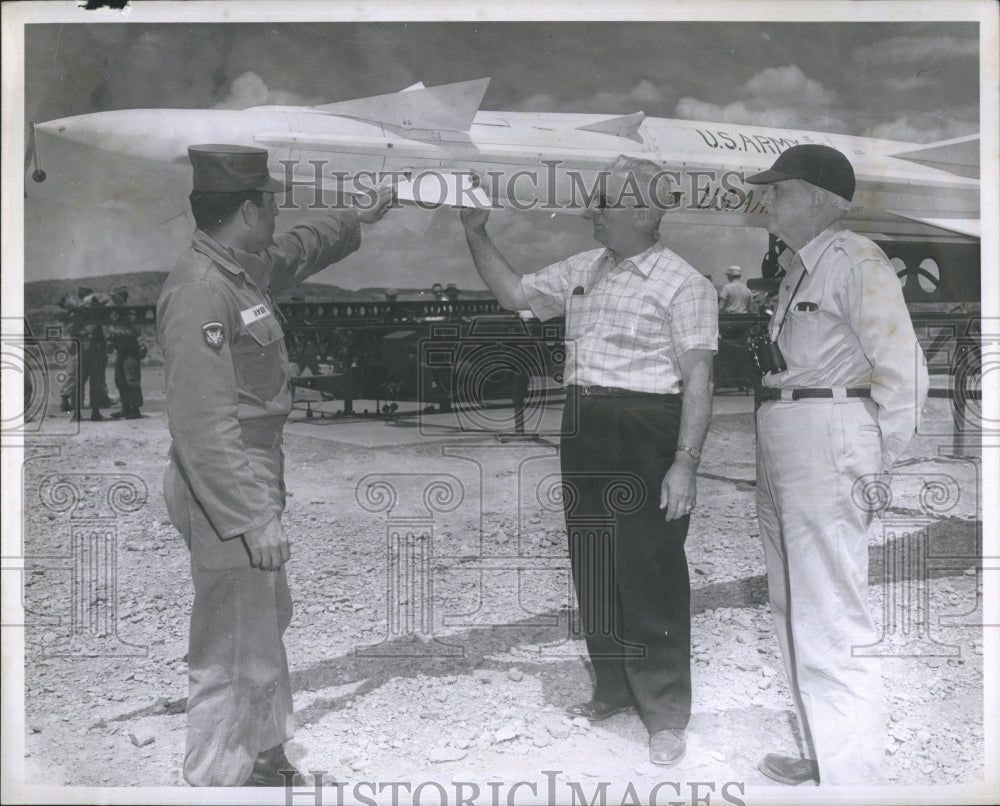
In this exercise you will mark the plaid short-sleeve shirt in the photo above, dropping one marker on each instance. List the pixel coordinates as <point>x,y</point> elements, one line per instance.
<point>627,325</point>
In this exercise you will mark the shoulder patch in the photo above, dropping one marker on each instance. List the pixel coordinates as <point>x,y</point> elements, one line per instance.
<point>214,334</point>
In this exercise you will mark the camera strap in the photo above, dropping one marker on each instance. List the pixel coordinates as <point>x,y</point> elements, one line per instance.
<point>791,299</point>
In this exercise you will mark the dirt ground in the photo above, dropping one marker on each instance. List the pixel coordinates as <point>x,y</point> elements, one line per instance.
<point>431,643</point>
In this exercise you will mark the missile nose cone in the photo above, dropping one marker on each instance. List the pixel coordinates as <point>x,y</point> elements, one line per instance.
<point>50,126</point>
<point>80,129</point>
<point>134,133</point>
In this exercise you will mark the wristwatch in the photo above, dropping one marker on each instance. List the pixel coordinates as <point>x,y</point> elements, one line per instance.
<point>694,453</point>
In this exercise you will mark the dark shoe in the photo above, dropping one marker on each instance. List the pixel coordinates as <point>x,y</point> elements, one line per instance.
<point>789,770</point>
<point>133,415</point>
<point>597,710</point>
<point>667,747</point>
<point>272,768</point>
<point>96,416</point>
<point>117,415</point>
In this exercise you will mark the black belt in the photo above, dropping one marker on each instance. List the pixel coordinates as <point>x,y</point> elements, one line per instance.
<point>767,393</point>
<point>614,391</point>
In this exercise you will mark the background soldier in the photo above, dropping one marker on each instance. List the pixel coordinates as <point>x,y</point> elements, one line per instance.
<point>735,297</point>
<point>69,390</point>
<point>129,352</point>
<point>93,363</point>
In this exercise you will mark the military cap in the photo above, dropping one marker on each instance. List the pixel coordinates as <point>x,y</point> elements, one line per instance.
<point>119,291</point>
<point>818,165</point>
<point>222,168</point>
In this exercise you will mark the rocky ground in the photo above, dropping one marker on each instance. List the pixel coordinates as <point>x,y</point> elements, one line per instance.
<point>450,668</point>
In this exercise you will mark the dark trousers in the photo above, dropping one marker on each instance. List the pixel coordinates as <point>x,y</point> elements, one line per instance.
<point>89,370</point>
<point>629,566</point>
<point>128,379</point>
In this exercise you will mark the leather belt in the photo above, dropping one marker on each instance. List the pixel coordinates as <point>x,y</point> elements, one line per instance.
<point>263,432</point>
<point>767,393</point>
<point>614,391</point>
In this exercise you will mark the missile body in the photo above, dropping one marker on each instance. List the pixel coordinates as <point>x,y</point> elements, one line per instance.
<point>552,162</point>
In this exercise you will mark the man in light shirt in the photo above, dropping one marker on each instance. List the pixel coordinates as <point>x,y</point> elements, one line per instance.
<point>735,297</point>
<point>834,419</point>
<point>641,324</point>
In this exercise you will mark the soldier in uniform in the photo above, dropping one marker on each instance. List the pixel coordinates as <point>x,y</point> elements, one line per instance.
<point>228,395</point>
<point>129,352</point>
<point>93,364</point>
<point>69,389</point>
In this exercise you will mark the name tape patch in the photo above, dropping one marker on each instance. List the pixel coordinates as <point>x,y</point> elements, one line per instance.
<point>254,313</point>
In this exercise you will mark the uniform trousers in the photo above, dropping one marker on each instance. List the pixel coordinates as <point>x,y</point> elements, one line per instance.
<point>628,563</point>
<point>88,368</point>
<point>128,379</point>
<point>810,453</point>
<point>239,692</point>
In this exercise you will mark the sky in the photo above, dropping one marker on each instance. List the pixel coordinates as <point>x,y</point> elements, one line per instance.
<point>98,214</point>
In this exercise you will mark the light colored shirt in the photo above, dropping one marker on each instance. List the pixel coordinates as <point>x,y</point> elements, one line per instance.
<point>735,297</point>
<point>849,326</point>
<point>627,325</point>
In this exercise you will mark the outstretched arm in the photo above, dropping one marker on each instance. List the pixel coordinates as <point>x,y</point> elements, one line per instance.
<point>500,278</point>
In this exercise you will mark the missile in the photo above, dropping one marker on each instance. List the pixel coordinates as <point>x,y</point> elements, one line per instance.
<point>440,148</point>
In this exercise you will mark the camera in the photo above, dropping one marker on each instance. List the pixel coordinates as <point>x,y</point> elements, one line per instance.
<point>765,355</point>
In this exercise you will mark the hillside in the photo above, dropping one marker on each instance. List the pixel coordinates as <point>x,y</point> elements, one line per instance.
<point>144,289</point>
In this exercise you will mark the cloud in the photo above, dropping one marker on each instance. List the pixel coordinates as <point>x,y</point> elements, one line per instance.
<point>539,102</point>
<point>249,89</point>
<point>909,83</point>
<point>928,49</point>
<point>645,95</point>
<point>923,129</point>
<point>787,86</point>
<point>782,97</point>
<point>780,117</point>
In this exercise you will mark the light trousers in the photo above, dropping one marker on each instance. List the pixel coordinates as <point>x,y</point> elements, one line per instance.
<point>810,453</point>
<point>239,692</point>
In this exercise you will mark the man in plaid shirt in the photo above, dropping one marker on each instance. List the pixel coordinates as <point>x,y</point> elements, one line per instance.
<point>641,326</point>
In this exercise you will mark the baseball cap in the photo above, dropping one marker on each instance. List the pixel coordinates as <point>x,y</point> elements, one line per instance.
<point>818,165</point>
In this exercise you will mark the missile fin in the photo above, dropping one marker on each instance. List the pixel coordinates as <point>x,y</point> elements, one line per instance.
<point>621,126</point>
<point>454,189</point>
<point>959,156</point>
<point>451,107</point>
<point>969,227</point>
